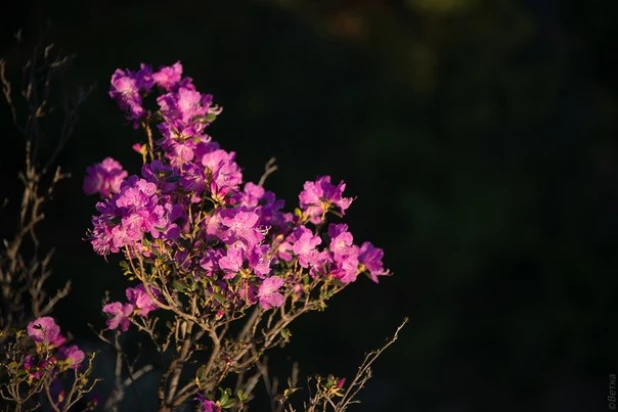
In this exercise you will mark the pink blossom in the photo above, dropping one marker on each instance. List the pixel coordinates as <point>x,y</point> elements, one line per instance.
<point>371,258</point>
<point>45,331</point>
<point>168,77</point>
<point>317,197</point>
<point>72,355</point>
<point>232,262</point>
<point>141,301</point>
<point>206,404</point>
<point>268,293</point>
<point>241,225</point>
<point>305,246</point>
<point>104,178</point>
<point>119,315</point>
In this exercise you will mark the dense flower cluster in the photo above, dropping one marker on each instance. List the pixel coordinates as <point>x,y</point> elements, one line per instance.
<point>190,208</point>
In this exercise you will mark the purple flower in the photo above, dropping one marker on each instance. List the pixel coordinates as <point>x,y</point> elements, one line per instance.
<point>72,355</point>
<point>371,258</point>
<point>119,315</point>
<point>317,198</point>
<point>305,246</point>
<point>189,208</point>
<point>163,176</point>
<point>168,76</point>
<point>127,216</point>
<point>144,78</point>
<point>240,225</point>
<point>268,293</point>
<point>252,194</point>
<point>259,261</point>
<point>248,292</point>
<point>224,171</point>
<point>184,111</point>
<point>340,240</point>
<point>232,262</point>
<point>346,265</point>
<point>142,302</point>
<point>45,331</point>
<point>209,261</point>
<point>206,404</point>
<point>125,89</point>
<point>264,203</point>
<point>193,180</point>
<point>104,178</point>
<point>321,264</point>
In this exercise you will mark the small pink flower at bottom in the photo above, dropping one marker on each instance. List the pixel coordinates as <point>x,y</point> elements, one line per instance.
<point>72,355</point>
<point>57,392</point>
<point>269,293</point>
<point>45,331</point>
<point>206,404</point>
<point>119,315</point>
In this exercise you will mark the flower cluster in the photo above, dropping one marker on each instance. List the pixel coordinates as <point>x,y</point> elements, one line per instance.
<point>190,211</point>
<point>140,304</point>
<point>52,356</point>
<point>39,360</point>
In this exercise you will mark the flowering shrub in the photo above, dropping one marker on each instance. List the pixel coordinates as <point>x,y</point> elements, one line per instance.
<point>39,367</point>
<point>44,367</point>
<point>209,247</point>
<point>219,268</point>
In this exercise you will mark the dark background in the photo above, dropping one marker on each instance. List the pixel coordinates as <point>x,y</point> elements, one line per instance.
<point>478,135</point>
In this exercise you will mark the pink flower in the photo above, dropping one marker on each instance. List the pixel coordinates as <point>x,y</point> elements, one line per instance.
<point>72,355</point>
<point>371,258</point>
<point>45,331</point>
<point>104,178</point>
<point>259,260</point>
<point>125,88</point>
<point>139,298</point>
<point>269,293</point>
<point>119,315</point>
<point>168,76</point>
<point>241,225</point>
<point>346,265</point>
<point>305,246</point>
<point>317,198</point>
<point>206,404</point>
<point>232,262</point>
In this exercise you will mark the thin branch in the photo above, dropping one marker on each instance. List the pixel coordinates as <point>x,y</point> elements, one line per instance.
<point>269,169</point>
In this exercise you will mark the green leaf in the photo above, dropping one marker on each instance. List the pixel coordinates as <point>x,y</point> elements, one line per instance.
<point>224,398</point>
<point>286,335</point>
<point>179,286</point>
<point>210,117</point>
<point>219,297</point>
<point>124,265</point>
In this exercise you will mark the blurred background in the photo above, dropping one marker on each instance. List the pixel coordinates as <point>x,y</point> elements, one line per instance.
<point>480,137</point>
